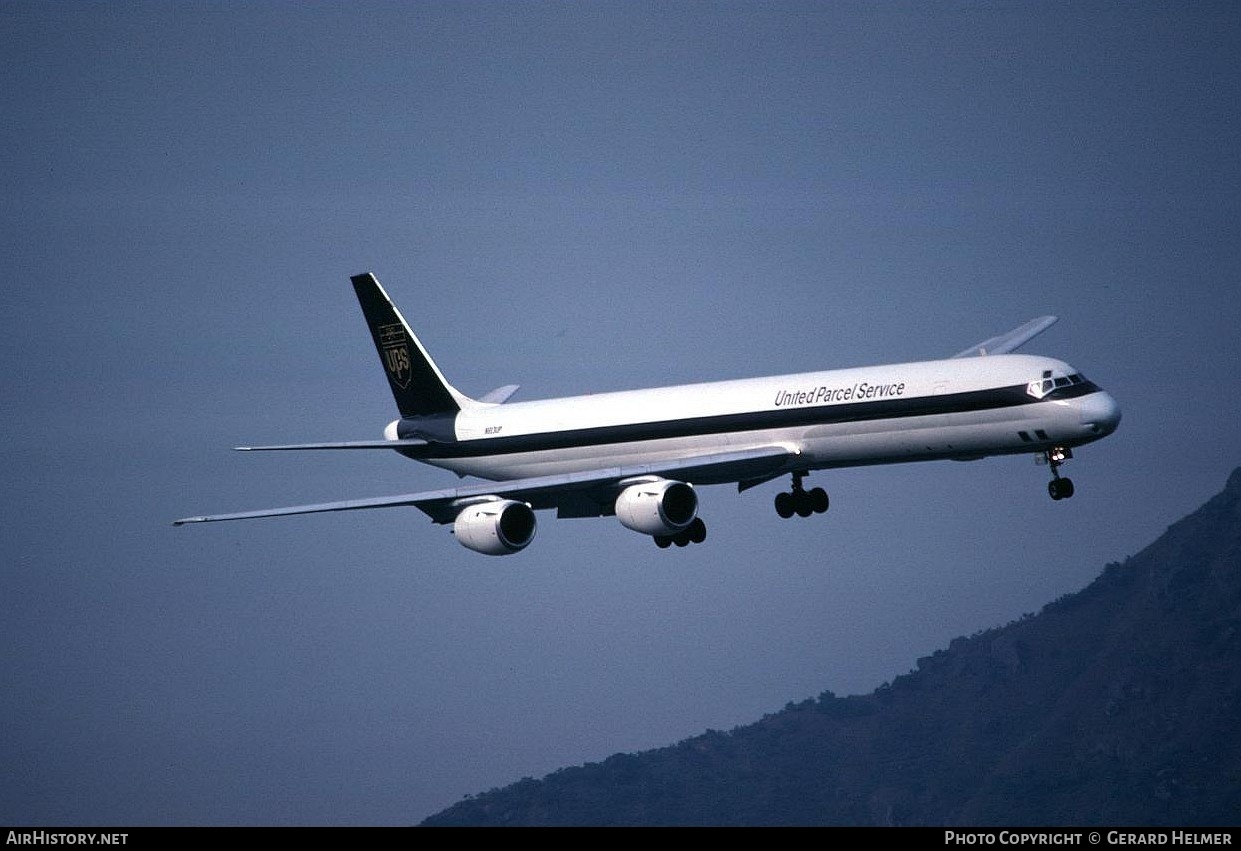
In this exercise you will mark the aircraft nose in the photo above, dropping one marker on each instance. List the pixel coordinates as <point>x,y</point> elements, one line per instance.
<point>1099,413</point>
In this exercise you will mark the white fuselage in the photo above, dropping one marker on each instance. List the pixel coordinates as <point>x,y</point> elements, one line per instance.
<point>960,408</point>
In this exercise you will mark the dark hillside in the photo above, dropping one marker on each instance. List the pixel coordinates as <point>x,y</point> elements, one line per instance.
<point>1119,704</point>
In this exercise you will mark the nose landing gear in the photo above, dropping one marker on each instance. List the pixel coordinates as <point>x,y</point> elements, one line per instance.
<point>800,501</point>
<point>1059,487</point>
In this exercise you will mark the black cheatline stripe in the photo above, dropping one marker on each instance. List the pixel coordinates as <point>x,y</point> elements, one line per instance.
<point>949,403</point>
<point>1072,392</point>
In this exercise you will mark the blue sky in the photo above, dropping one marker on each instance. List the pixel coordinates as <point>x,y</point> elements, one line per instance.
<point>575,197</point>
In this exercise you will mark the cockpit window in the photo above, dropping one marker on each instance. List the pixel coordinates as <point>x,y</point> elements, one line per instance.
<point>1048,385</point>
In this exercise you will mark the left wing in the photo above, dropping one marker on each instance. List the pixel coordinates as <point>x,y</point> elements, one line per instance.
<point>500,395</point>
<point>586,494</point>
<point>1010,341</point>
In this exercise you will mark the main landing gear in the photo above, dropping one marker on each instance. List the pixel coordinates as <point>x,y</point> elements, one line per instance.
<point>800,501</point>
<point>1059,487</point>
<point>694,533</point>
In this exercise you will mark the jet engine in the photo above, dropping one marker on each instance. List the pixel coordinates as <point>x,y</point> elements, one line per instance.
<point>497,528</point>
<point>660,507</point>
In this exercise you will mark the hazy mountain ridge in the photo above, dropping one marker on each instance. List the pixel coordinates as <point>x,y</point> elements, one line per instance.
<point>1118,704</point>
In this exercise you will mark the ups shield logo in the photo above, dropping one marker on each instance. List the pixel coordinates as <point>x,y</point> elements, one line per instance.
<point>395,348</point>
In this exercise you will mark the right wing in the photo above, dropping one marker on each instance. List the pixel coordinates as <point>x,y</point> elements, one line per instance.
<point>586,494</point>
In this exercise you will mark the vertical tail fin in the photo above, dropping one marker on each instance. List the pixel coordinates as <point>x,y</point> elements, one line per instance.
<point>417,384</point>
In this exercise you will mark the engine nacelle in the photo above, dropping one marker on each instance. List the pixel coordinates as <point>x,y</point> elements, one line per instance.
<point>661,507</point>
<point>497,528</point>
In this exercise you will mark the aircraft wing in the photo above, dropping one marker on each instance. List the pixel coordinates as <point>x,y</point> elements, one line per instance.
<point>1014,339</point>
<point>586,494</point>
<point>500,395</point>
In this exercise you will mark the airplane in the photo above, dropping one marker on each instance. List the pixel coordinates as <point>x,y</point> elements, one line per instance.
<point>639,455</point>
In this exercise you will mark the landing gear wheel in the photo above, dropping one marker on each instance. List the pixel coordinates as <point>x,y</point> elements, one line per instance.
<point>784,505</point>
<point>804,507</point>
<point>800,501</point>
<point>1060,488</point>
<point>694,533</point>
<point>697,531</point>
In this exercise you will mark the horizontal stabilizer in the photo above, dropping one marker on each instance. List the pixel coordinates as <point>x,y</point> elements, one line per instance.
<point>347,444</point>
<point>1014,339</point>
